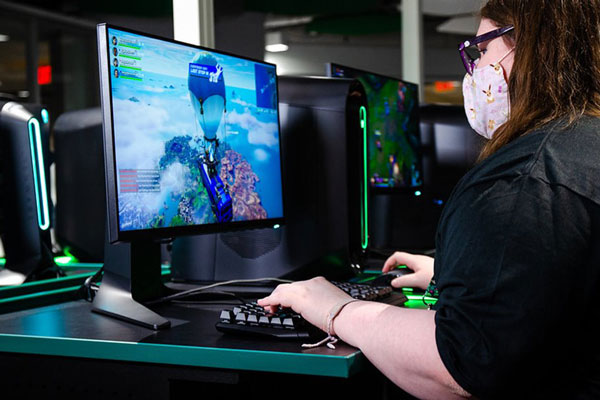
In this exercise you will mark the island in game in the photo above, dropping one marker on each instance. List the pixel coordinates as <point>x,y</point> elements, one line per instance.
<point>197,142</point>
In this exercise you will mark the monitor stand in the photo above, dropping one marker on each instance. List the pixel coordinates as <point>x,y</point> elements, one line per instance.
<point>132,275</point>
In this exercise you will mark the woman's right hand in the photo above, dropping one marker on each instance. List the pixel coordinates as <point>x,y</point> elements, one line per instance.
<point>421,265</point>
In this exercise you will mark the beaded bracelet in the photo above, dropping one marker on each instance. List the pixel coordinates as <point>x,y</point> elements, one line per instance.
<point>331,339</point>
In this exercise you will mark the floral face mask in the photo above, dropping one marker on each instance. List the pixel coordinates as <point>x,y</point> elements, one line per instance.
<point>486,98</point>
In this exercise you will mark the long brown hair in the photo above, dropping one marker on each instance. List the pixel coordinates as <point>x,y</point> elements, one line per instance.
<point>556,70</point>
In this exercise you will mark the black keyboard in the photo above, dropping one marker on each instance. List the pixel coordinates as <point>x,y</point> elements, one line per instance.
<point>250,319</point>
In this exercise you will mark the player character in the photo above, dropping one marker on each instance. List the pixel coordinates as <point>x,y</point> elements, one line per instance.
<point>206,86</point>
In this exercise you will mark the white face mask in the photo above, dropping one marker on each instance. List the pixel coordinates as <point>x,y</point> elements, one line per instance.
<point>486,98</point>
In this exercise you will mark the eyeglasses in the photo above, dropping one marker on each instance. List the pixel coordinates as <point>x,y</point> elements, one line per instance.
<point>469,59</point>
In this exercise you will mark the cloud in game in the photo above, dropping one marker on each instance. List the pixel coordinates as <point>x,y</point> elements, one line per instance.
<point>259,133</point>
<point>242,102</point>
<point>261,155</point>
<point>173,178</point>
<point>137,145</point>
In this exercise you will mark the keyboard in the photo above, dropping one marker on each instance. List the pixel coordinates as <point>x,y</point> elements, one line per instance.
<point>250,319</point>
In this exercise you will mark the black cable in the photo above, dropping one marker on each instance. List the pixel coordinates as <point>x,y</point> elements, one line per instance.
<point>237,297</point>
<point>89,288</point>
<point>195,291</point>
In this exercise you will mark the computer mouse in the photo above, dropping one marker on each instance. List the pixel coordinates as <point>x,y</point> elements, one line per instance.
<point>386,279</point>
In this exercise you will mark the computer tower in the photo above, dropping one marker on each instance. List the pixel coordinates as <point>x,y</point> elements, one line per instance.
<point>25,187</point>
<point>80,203</point>
<point>324,195</point>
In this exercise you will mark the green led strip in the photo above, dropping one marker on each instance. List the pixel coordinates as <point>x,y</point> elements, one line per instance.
<point>365,206</point>
<point>39,174</point>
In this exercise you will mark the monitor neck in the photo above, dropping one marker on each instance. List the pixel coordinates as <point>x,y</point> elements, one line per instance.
<point>132,276</point>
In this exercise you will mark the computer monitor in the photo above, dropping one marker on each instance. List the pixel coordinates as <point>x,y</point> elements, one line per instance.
<point>191,145</point>
<point>393,129</point>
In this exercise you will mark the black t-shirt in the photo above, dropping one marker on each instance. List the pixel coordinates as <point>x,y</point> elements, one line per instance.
<point>517,267</point>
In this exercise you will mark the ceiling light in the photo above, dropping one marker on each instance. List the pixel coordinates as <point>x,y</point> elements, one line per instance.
<point>276,48</point>
<point>275,42</point>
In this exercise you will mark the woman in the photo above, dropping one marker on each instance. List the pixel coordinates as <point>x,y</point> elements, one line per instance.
<point>517,264</point>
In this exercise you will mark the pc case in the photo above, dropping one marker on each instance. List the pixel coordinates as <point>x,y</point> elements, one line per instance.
<point>25,203</point>
<point>323,129</point>
<point>81,202</point>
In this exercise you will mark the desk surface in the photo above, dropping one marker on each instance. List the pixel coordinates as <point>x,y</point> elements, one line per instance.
<point>33,324</point>
<point>71,329</point>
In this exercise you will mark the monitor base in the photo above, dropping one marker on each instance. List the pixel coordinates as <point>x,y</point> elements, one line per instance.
<point>114,299</point>
<point>132,276</point>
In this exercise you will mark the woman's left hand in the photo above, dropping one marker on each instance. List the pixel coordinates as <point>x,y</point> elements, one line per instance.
<point>313,299</point>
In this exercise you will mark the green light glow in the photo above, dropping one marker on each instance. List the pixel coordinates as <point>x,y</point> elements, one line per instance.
<point>276,226</point>
<point>2,261</point>
<point>39,173</point>
<point>365,205</point>
<point>63,260</point>
<point>419,297</point>
<point>67,251</point>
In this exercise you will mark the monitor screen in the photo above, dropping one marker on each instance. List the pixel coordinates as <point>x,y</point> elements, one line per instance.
<point>195,137</point>
<point>393,128</point>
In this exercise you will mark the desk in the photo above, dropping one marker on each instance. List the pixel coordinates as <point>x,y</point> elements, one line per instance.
<point>65,348</point>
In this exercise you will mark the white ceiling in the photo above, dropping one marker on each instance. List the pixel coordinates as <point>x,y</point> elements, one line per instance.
<point>448,8</point>
<point>462,25</point>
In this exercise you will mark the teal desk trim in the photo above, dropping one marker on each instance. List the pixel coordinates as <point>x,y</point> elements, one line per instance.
<point>223,358</point>
<point>30,288</point>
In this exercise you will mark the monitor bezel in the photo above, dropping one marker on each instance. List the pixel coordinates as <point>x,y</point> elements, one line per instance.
<point>115,234</point>
<point>390,189</point>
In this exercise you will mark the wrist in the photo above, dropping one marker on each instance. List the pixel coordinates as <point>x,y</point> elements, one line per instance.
<point>334,312</point>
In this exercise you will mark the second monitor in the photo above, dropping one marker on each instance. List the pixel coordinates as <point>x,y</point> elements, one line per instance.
<point>394,140</point>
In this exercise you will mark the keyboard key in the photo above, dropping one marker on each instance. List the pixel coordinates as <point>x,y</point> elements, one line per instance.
<point>240,317</point>
<point>225,315</point>
<point>288,323</point>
